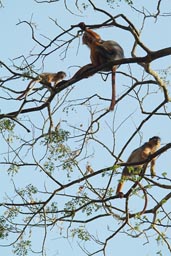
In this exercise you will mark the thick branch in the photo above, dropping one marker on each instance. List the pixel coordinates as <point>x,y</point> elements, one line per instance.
<point>90,70</point>
<point>157,153</point>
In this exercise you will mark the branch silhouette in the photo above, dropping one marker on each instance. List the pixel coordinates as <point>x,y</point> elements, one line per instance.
<point>89,71</point>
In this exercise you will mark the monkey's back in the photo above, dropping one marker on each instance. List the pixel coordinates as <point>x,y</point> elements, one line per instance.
<point>108,51</point>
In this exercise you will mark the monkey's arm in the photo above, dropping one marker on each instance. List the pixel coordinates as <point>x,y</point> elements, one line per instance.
<point>90,32</point>
<point>152,168</point>
<point>146,152</point>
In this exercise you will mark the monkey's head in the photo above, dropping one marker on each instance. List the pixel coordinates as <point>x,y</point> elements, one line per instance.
<point>90,37</point>
<point>82,25</point>
<point>87,39</point>
<point>61,75</point>
<point>155,140</point>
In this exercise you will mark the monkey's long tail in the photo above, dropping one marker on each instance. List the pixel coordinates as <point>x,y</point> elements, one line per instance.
<point>145,197</point>
<point>112,105</point>
<point>144,192</point>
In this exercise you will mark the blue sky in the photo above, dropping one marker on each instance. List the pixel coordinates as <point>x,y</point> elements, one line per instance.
<point>16,41</point>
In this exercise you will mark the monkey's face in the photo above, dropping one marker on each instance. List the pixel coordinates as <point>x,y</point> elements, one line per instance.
<point>62,75</point>
<point>90,38</point>
<point>87,39</point>
<point>155,140</point>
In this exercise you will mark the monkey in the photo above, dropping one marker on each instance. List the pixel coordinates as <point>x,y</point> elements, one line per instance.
<point>102,52</point>
<point>136,156</point>
<point>46,79</point>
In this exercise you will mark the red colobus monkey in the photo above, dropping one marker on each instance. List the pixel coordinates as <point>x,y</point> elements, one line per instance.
<point>45,78</point>
<point>138,155</point>
<point>102,52</point>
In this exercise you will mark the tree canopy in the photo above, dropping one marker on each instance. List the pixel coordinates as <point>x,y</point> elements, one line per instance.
<point>62,150</point>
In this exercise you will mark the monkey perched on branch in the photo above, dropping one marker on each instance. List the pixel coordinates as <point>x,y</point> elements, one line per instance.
<point>46,79</point>
<point>138,155</point>
<point>102,52</point>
